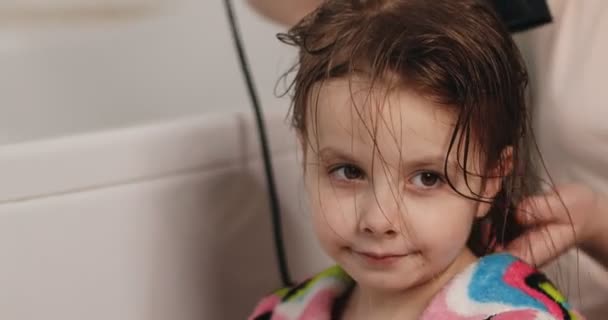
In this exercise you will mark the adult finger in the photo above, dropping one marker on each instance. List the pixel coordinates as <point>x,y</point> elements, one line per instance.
<point>540,209</point>
<point>542,244</point>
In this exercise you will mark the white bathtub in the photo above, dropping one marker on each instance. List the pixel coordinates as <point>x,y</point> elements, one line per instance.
<point>130,180</point>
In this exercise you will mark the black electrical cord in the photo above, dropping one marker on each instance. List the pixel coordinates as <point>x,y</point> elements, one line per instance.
<point>274,199</point>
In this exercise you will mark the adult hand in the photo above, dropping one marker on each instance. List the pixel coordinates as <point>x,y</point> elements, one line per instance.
<point>575,215</point>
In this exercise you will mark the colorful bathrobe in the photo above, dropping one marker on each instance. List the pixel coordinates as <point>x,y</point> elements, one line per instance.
<point>498,287</point>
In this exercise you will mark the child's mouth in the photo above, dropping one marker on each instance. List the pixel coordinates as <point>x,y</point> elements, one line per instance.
<point>379,259</point>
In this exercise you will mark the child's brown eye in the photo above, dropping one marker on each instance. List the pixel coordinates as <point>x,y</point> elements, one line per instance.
<point>347,172</point>
<point>427,180</point>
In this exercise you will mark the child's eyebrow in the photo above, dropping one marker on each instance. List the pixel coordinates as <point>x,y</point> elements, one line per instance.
<point>430,161</point>
<point>330,153</point>
<point>435,161</point>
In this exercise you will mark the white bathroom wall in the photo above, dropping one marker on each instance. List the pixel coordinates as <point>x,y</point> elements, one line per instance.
<point>131,186</point>
<point>164,221</point>
<point>68,72</point>
<point>186,247</point>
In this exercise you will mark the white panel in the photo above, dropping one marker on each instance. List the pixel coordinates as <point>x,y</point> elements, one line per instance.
<point>194,246</point>
<point>30,170</point>
<point>75,74</point>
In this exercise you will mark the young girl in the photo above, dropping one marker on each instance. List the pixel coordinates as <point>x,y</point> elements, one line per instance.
<point>413,123</point>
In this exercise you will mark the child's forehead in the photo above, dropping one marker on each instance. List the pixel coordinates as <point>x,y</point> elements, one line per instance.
<point>356,104</point>
<point>353,117</point>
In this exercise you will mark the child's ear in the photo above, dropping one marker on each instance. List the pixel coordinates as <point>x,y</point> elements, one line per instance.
<point>493,183</point>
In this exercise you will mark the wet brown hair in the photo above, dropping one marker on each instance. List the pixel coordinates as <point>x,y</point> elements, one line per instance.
<point>457,53</point>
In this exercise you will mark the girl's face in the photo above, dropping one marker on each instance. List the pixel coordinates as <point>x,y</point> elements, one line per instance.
<point>374,171</point>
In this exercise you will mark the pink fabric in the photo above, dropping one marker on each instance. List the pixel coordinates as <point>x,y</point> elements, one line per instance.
<point>267,304</point>
<point>499,287</point>
<point>318,306</point>
<point>515,275</point>
<point>526,314</point>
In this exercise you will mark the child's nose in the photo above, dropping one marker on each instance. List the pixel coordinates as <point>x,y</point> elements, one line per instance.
<point>381,216</point>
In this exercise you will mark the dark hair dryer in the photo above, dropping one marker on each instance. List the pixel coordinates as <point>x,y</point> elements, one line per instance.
<point>522,15</point>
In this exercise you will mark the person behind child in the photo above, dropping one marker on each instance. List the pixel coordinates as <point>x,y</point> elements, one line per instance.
<point>415,135</point>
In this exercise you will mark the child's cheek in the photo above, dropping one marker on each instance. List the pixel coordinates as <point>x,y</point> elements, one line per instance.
<point>441,228</point>
<point>333,216</point>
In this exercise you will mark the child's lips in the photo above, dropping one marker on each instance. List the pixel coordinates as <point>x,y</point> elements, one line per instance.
<point>376,258</point>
